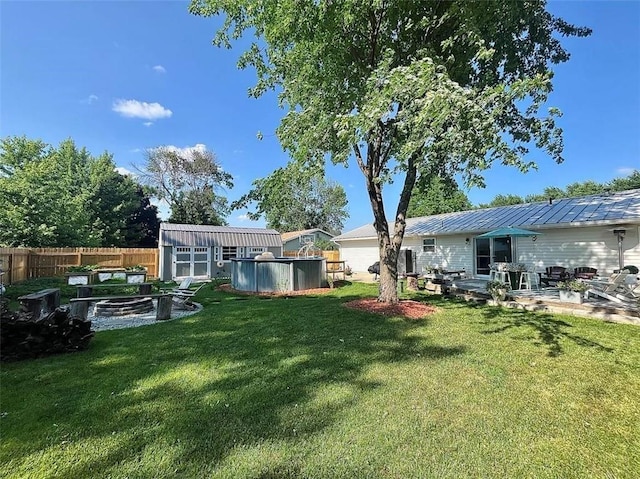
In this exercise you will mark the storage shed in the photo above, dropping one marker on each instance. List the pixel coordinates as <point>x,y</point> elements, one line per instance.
<point>599,231</point>
<point>205,252</point>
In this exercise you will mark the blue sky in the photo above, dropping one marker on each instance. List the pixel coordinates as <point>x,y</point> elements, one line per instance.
<point>127,76</point>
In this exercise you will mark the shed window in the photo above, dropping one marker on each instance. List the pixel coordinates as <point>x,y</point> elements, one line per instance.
<point>257,249</point>
<point>429,245</point>
<point>229,252</point>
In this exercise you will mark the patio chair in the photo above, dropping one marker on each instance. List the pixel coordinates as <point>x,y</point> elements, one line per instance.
<point>615,289</point>
<point>554,274</point>
<point>529,279</point>
<point>584,272</point>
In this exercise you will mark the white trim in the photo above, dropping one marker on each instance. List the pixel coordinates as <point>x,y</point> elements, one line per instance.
<point>192,251</point>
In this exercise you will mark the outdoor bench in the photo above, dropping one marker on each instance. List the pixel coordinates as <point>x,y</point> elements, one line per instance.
<point>40,303</point>
<point>80,306</point>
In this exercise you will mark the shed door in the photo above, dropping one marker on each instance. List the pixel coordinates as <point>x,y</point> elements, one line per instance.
<point>191,261</point>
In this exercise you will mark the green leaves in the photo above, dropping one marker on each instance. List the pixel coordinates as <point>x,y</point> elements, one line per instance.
<point>62,196</point>
<point>295,198</point>
<point>404,86</point>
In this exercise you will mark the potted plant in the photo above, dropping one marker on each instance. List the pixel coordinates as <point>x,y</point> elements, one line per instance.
<point>572,291</point>
<point>498,289</point>
<point>515,270</point>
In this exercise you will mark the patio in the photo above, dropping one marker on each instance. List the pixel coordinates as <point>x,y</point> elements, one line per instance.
<point>548,300</point>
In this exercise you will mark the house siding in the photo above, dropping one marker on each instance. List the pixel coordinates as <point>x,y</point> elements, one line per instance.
<point>574,247</point>
<point>596,247</point>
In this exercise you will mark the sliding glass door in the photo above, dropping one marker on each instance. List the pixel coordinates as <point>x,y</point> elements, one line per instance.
<point>491,250</point>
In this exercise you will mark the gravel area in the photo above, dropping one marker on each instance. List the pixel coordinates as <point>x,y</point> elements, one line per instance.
<point>104,323</point>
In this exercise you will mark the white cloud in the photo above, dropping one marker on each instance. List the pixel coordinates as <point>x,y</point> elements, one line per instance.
<point>125,172</point>
<point>626,171</point>
<point>148,123</point>
<point>141,109</point>
<point>90,99</point>
<point>243,218</point>
<point>136,150</point>
<point>159,69</point>
<point>187,151</point>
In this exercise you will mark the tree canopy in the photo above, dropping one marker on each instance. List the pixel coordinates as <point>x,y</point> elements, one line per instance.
<point>404,87</point>
<point>296,198</point>
<point>64,196</point>
<point>188,181</point>
<point>435,195</point>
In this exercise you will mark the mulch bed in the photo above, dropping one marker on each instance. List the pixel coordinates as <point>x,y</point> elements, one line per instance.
<point>408,308</point>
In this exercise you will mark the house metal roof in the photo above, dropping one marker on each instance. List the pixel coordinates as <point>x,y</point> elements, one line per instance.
<point>603,209</point>
<point>172,234</point>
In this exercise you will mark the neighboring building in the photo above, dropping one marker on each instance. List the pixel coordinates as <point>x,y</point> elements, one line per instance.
<point>294,240</point>
<point>596,231</point>
<point>205,252</point>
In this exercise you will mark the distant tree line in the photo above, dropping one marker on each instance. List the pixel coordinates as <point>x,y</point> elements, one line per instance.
<point>571,191</point>
<point>438,194</point>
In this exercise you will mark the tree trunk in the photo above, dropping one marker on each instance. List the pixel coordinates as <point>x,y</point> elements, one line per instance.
<point>389,246</point>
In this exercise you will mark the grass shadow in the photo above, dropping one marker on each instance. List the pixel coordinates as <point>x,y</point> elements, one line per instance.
<point>188,393</point>
<point>550,330</point>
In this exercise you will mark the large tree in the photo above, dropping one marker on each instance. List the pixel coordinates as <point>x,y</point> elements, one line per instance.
<point>63,196</point>
<point>296,198</point>
<point>187,180</point>
<point>402,86</point>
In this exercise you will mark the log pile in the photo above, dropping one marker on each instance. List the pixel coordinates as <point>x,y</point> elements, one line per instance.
<point>23,337</point>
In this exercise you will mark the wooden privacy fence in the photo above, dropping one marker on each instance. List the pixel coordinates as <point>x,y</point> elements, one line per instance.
<point>20,264</point>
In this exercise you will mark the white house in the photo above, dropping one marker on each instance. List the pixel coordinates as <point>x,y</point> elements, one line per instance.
<point>599,231</point>
<point>204,252</point>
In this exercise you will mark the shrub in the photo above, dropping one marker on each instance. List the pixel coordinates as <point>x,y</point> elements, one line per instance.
<point>573,285</point>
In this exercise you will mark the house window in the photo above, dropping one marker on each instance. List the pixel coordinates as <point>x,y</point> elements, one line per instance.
<point>229,252</point>
<point>307,239</point>
<point>429,245</point>
<point>257,249</point>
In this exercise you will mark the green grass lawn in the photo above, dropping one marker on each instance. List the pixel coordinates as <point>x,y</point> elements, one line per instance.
<point>305,388</point>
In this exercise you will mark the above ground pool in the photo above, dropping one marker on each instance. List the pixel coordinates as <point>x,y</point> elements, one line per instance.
<point>277,274</point>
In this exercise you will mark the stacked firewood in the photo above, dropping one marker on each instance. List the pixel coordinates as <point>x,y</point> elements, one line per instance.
<point>22,336</point>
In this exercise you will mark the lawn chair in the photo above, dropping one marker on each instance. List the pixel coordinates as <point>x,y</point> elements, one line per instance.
<point>616,289</point>
<point>181,296</point>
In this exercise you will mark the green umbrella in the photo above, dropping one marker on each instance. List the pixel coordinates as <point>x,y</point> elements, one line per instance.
<point>508,231</point>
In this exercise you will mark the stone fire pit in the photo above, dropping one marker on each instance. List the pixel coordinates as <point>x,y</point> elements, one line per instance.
<point>123,307</point>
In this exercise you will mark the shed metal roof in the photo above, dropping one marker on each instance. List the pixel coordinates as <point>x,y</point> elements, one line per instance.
<point>614,208</point>
<point>172,234</point>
